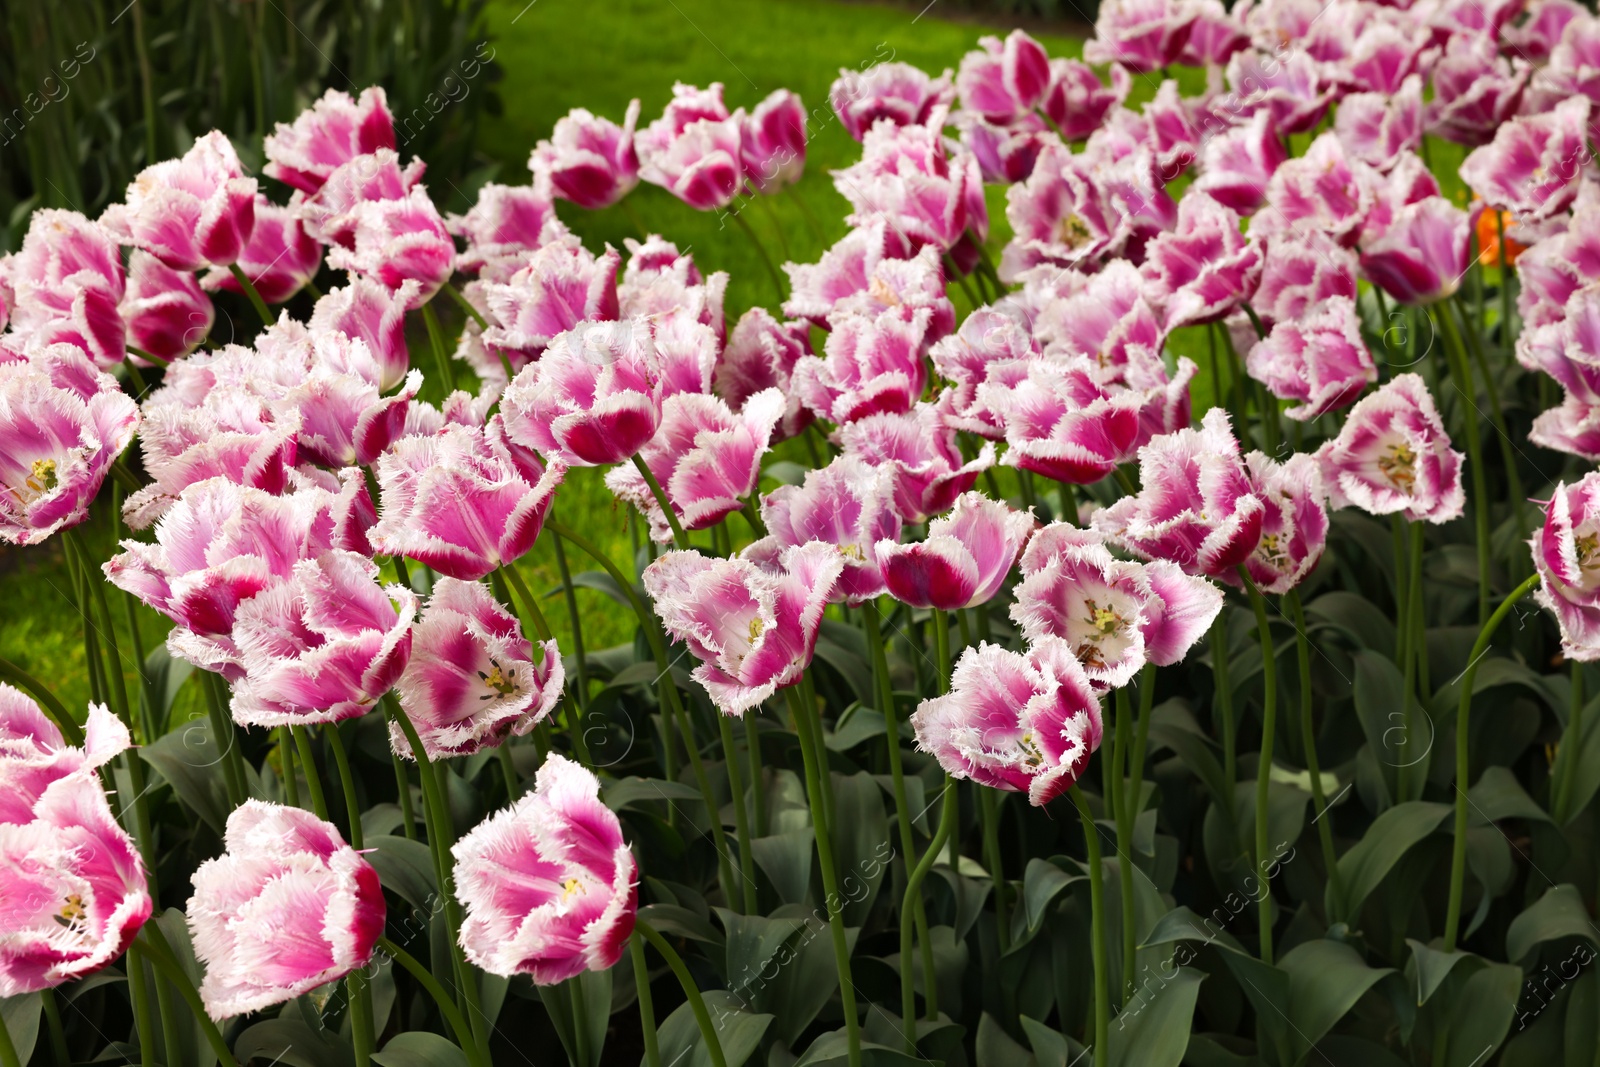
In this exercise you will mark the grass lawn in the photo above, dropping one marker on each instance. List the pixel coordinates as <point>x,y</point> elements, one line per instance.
<point>560,54</point>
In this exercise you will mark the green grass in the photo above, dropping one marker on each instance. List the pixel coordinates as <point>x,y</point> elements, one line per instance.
<point>560,54</point>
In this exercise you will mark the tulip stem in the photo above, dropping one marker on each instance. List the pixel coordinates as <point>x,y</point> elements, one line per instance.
<point>466,305</point>
<point>514,580</point>
<point>758,780</point>
<point>1571,746</point>
<point>1097,926</point>
<point>814,753</point>
<point>697,1003</point>
<point>1508,452</point>
<point>341,760</point>
<point>1308,734</point>
<point>872,626</point>
<point>741,816</point>
<point>308,760</point>
<point>139,996</point>
<point>356,985</point>
<point>52,1018</point>
<point>766,260</point>
<point>1123,820</point>
<point>581,688</point>
<point>989,809</point>
<point>908,996</point>
<point>1147,699</point>
<point>1222,698</point>
<point>447,1006</point>
<point>222,733</point>
<point>941,650</point>
<point>1505,282</point>
<point>647,1009</point>
<point>679,538</point>
<point>1458,853</point>
<point>155,947</point>
<point>58,713</point>
<point>291,781</point>
<point>447,377</point>
<point>580,1020</point>
<point>251,293</point>
<point>402,785</point>
<point>1269,721</point>
<point>1461,372</point>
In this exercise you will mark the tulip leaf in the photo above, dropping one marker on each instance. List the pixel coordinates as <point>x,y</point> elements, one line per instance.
<point>292,1041</point>
<point>1481,1010</point>
<point>739,1031</point>
<point>862,846</point>
<point>832,1050</point>
<point>786,861</point>
<point>1326,978</point>
<point>561,1006</point>
<point>1498,795</point>
<point>602,582</point>
<point>1390,837</point>
<point>1587,753</point>
<point>1152,1030</point>
<point>680,922</point>
<point>20,1016</point>
<point>1182,924</point>
<point>1431,966</point>
<point>1042,883</point>
<point>620,793</point>
<point>995,1048</point>
<point>803,974</point>
<point>1559,913</point>
<point>1354,615</point>
<point>190,761</point>
<point>419,1048</point>
<point>1050,1048</point>
<point>406,868</point>
<point>164,676</point>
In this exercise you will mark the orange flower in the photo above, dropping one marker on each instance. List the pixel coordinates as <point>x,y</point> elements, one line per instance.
<point>1490,224</point>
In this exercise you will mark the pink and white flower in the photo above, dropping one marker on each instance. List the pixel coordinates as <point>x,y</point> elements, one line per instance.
<point>1475,90</point>
<point>1061,422</point>
<point>963,561</point>
<point>1201,271</point>
<point>863,273</point>
<point>772,142</point>
<point>506,225</point>
<point>1237,164</point>
<point>908,179</point>
<point>1533,165</point>
<point>1077,101</point>
<point>1378,128</point>
<point>1421,257</point>
<point>761,353</point>
<point>872,365</point>
<point>1294,529</point>
<point>1566,552</point>
<point>1299,272</point>
<point>561,285</point>
<point>66,284</point>
<point>1142,35</point>
<point>192,212</point>
<point>34,755</point>
<point>898,92</point>
<point>288,907</point>
<point>1288,86</point>
<point>166,312</point>
<point>331,132</point>
<point>1003,79</point>
<point>847,504</point>
<point>280,257</point>
<point>920,448</point>
<point>693,149</point>
<point>990,350</point>
<point>1393,455</point>
<point>549,885</point>
<point>367,311</point>
<point>1319,360</point>
<point>590,160</point>
<point>399,240</point>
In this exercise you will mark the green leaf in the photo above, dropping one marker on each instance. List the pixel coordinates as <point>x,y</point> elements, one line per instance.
<point>1354,615</point>
<point>1559,913</point>
<point>292,1041</point>
<point>679,921</point>
<point>1498,795</point>
<point>1172,727</point>
<point>406,867</point>
<point>559,1004</point>
<point>164,677</point>
<point>1267,989</point>
<point>1042,882</point>
<point>996,1049</point>
<point>1586,751</point>
<point>738,1031</point>
<point>1390,837</point>
<point>1153,1029</point>
<point>20,1016</point>
<point>1326,978</point>
<point>604,583</point>
<point>862,847</point>
<point>1432,967</point>
<point>1380,702</point>
<point>641,792</point>
<point>418,1048</point>
<point>805,976</point>
<point>1182,924</point>
<point>189,759</point>
<point>1481,1014</point>
<point>1050,1049</point>
<point>831,1050</point>
<point>786,861</point>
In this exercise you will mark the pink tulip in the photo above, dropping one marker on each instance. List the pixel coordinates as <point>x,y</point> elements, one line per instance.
<point>1013,721</point>
<point>1410,182</point>
<point>369,312</point>
<point>907,179</point>
<point>1237,164</point>
<point>898,92</point>
<point>464,501</point>
<point>562,285</point>
<point>1564,552</point>
<point>1201,271</point>
<point>344,419</point>
<point>322,645</point>
<point>847,504</point>
<point>921,451</point>
<point>280,257</point>
<point>507,224</point>
<point>473,680</point>
<point>753,628</point>
<point>66,283</point>
<point>76,893</point>
<point>1393,455</point>
<point>62,424</point>
<point>1197,506</point>
<point>1215,34</point>
<point>1300,273</point>
<point>1064,215</point>
<point>658,279</point>
<point>166,312</point>
<point>549,885</point>
<point>1378,128</point>
<point>863,273</point>
<point>1321,191</point>
<point>331,132</point>
<point>872,365</point>
<point>330,214</point>
<point>288,907</point>
<point>686,350</point>
<point>989,350</point>
<point>1142,35</point>
<point>1573,427</point>
<point>1005,154</point>
<point>593,398</point>
<point>1533,165</point>
<point>397,241</point>
<point>693,149</point>
<point>1077,101</point>
<point>1004,79</point>
<point>34,755</point>
<point>705,458</point>
<point>963,561</point>
<point>1573,66</point>
<point>1169,129</point>
<point>1104,321</point>
<point>1475,91</point>
<point>772,144</point>
<point>1288,86</point>
<point>191,212</point>
<point>590,160</point>
<point>1558,265</point>
<point>1294,529</point>
<point>1320,360</point>
<point>1422,256</point>
<point>1061,422</point>
<point>761,354</point>
<point>1536,38</point>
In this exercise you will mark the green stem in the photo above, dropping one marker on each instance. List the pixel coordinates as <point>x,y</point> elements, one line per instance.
<point>52,1019</point>
<point>139,998</point>
<point>441,358</point>
<point>766,260</point>
<point>1419,622</point>
<point>1458,853</point>
<point>697,1003</point>
<point>758,780</point>
<point>1571,744</point>
<point>341,760</point>
<point>222,732</point>
<point>580,1021</point>
<point>1097,926</point>
<point>308,760</point>
<point>514,580</point>
<point>951,271</point>
<point>1123,820</point>
<point>941,649</point>
<point>679,538</point>
<point>569,593</point>
<point>812,751</point>
<point>1505,284</point>
<point>989,809</point>
<point>908,996</point>
<point>1308,732</point>
<point>466,305</point>
<point>250,292</point>
<point>647,1010</point>
<point>447,1004</point>
<point>741,817</point>
<point>52,707</point>
<point>1222,698</point>
<point>402,785</point>
<point>1147,699</point>
<point>508,771</point>
<point>155,947</point>
<point>1269,720</point>
<point>1461,371</point>
<point>1508,452</point>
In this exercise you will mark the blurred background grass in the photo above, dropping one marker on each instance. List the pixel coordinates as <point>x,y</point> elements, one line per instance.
<point>542,59</point>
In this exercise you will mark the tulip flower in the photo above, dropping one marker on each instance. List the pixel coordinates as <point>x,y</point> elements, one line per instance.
<point>872,365</point>
<point>753,628</point>
<point>322,645</point>
<point>704,457</point>
<point>1014,721</point>
<point>399,240</point>
<point>62,425</point>
<point>863,273</point>
<point>963,561</point>
<point>1142,35</point>
<point>693,149</point>
<point>1533,164</point>
<point>847,504</point>
<point>658,279</point>
<point>1294,528</point>
<point>1288,86</point>
<point>1199,272</point>
<point>1536,39</point>
<point>331,213</point>
<point>920,449</point>
<point>772,142</point>
<point>473,680</point>
<point>1393,455</point>
<point>898,92</point>
<point>66,283</point>
<point>1422,256</point>
<point>1475,91</point>
<point>1061,422</point>
<point>908,179</point>
<point>1378,128</point>
<point>1077,101</point>
<point>1237,164</point>
<point>280,257</point>
<point>1301,272</point>
<point>192,212</point>
<point>1566,552</point>
<point>1004,79</point>
<point>593,398</point>
<point>330,132</point>
<point>464,501</point>
<point>990,350</point>
<point>1005,154</point>
<point>1321,191</point>
<point>506,225</point>
<point>34,755</point>
<point>549,885</point>
<point>1104,321</point>
<point>288,907</point>
<point>561,285</point>
<point>1215,34</point>
<point>369,312</point>
<point>166,313</point>
<point>1197,506</point>
<point>1573,427</point>
<point>589,160</point>
<point>1319,360</point>
<point>761,354</point>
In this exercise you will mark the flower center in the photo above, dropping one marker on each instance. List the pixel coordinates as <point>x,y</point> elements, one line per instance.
<point>496,679</point>
<point>569,888</point>
<point>1073,232</point>
<point>1271,550</point>
<point>1032,758</point>
<point>879,290</point>
<point>851,552</point>
<point>756,628</point>
<point>1399,464</point>
<point>1104,620</point>
<point>72,913</point>
<point>41,479</point>
<point>1588,547</point>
